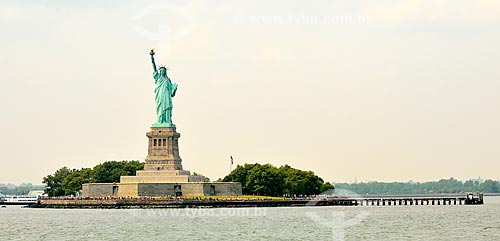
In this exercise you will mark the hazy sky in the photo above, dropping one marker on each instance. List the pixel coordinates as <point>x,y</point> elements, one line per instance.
<point>372,90</point>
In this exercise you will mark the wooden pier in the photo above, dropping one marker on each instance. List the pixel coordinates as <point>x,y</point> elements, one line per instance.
<point>409,200</point>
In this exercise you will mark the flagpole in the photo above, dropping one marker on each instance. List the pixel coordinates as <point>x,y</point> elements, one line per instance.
<point>231,164</point>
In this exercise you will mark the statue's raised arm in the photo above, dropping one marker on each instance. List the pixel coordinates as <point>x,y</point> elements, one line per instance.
<point>152,53</point>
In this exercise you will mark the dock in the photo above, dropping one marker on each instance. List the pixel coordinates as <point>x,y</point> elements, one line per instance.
<point>404,200</point>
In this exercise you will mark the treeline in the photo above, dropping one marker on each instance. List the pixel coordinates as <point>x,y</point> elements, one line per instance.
<point>450,185</point>
<point>66,181</point>
<point>269,180</point>
<point>20,190</point>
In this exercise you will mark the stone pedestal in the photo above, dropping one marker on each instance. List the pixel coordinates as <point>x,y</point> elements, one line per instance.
<point>163,163</point>
<point>163,149</point>
<point>163,174</point>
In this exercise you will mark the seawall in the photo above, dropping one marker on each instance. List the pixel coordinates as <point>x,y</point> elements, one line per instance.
<point>124,203</point>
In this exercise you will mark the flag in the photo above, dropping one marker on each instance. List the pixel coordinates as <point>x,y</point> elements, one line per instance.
<point>232,160</point>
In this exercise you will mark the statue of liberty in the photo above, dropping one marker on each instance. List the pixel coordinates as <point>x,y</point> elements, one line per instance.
<point>164,91</point>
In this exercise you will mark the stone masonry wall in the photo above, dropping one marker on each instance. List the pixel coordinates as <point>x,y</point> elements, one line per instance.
<point>99,189</point>
<point>161,189</point>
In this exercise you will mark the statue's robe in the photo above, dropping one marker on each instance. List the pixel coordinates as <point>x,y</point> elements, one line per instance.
<point>164,91</point>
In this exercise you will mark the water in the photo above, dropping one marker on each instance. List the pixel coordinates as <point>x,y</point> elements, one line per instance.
<point>291,223</point>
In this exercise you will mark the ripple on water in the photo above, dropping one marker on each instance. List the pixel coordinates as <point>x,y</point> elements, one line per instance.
<point>289,223</point>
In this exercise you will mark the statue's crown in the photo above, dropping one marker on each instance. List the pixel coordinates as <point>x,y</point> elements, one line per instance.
<point>163,67</point>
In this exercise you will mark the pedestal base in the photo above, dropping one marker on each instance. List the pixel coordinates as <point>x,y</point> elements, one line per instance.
<point>163,174</point>
<point>167,176</point>
<point>161,189</point>
<point>163,125</point>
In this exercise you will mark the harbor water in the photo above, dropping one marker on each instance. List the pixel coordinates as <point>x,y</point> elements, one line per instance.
<point>481,222</point>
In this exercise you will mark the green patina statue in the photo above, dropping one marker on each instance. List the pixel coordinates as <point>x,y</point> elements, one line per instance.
<point>164,91</point>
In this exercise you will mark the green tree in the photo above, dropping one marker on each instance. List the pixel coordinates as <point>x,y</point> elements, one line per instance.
<point>264,180</point>
<point>111,171</point>
<point>271,181</point>
<point>326,187</point>
<point>490,186</point>
<point>54,182</point>
<point>300,182</point>
<point>67,181</point>
<point>450,185</point>
<point>73,181</point>
<point>239,174</point>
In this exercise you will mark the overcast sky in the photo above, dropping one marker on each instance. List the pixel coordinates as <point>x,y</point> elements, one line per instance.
<point>369,90</point>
